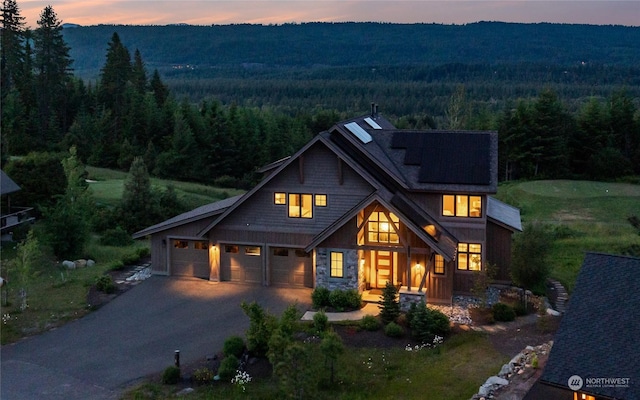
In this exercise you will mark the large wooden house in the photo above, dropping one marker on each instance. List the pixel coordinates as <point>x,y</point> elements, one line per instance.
<point>360,205</point>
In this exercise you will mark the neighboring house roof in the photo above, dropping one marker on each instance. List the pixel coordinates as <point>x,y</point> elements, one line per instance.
<point>598,335</point>
<point>205,211</point>
<point>7,185</point>
<point>504,214</point>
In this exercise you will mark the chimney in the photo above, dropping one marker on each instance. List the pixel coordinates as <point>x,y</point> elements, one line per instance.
<point>373,110</point>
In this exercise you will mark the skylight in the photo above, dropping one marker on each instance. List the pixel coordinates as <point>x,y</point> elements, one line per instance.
<point>372,123</point>
<point>358,132</point>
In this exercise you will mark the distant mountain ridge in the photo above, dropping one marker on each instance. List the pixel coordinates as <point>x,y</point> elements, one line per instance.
<point>359,44</point>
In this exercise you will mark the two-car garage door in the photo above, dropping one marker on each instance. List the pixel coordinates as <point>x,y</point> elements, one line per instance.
<point>286,267</point>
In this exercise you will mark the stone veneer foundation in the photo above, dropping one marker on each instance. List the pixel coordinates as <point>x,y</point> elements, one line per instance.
<point>323,270</point>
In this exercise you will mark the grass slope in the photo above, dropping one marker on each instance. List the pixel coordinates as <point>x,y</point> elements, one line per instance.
<point>585,216</point>
<point>107,186</point>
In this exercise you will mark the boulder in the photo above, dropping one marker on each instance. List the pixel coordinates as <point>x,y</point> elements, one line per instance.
<point>505,370</point>
<point>90,263</point>
<point>69,264</point>
<point>81,263</point>
<point>496,380</point>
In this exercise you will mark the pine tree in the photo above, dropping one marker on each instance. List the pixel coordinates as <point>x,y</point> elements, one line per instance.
<point>53,71</point>
<point>389,305</point>
<point>137,207</point>
<point>114,76</point>
<point>12,50</point>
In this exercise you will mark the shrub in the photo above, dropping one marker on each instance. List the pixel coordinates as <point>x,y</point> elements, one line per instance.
<point>320,321</point>
<point>202,376</point>
<point>144,252</point>
<point>234,345</point>
<point>353,299</point>
<point>228,367</point>
<point>261,327</point>
<point>370,323</point>
<point>116,265</point>
<point>320,297</point>
<point>503,312</point>
<point>389,305</point>
<point>116,237</point>
<point>426,323</point>
<point>393,330</point>
<point>105,284</point>
<point>529,266</point>
<point>131,258</point>
<point>171,375</point>
<point>339,300</point>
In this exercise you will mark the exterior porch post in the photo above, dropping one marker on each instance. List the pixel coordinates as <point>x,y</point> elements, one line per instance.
<point>409,268</point>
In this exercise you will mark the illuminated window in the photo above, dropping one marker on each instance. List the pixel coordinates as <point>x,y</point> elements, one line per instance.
<point>337,264</point>
<point>280,198</point>
<point>381,229</point>
<point>321,200</point>
<point>300,205</point>
<point>582,396</point>
<point>252,250</point>
<point>469,256</point>
<point>201,245</point>
<point>180,244</point>
<point>438,267</point>
<point>461,206</point>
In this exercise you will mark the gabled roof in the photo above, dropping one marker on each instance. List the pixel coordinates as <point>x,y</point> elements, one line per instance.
<point>322,138</point>
<point>412,216</point>
<point>7,185</point>
<point>598,335</point>
<point>205,211</point>
<point>504,214</point>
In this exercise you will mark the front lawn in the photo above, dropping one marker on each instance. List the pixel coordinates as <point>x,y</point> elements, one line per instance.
<point>455,370</point>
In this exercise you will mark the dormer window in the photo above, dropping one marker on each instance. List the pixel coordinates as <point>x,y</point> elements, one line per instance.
<point>461,206</point>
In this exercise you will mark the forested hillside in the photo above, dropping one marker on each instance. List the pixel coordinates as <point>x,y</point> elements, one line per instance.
<point>362,44</point>
<point>211,104</point>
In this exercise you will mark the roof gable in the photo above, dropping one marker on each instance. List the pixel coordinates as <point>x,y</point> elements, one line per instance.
<point>504,214</point>
<point>598,335</point>
<point>7,185</point>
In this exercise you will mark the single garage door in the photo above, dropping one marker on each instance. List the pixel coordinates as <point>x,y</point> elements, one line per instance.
<point>290,267</point>
<point>241,264</point>
<point>190,258</point>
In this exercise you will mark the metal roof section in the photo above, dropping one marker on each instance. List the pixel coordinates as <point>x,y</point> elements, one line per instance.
<point>504,214</point>
<point>372,123</point>
<point>7,185</point>
<point>358,132</point>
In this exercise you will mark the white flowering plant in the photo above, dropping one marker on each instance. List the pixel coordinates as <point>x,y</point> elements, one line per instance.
<point>241,379</point>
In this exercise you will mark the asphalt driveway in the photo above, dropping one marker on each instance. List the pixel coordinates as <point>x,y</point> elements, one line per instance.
<point>135,335</point>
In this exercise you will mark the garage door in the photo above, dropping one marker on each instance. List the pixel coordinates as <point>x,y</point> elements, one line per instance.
<point>241,264</point>
<point>290,267</point>
<point>190,258</point>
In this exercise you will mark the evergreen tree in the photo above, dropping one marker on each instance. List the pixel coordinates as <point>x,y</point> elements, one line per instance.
<point>331,347</point>
<point>139,73</point>
<point>389,305</point>
<point>114,76</point>
<point>137,206</point>
<point>67,223</point>
<point>159,89</point>
<point>12,53</point>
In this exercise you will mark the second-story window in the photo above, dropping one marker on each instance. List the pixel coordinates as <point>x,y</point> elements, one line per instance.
<point>383,229</point>
<point>300,205</point>
<point>461,205</point>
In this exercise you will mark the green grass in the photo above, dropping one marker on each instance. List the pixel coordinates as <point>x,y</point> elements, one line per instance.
<point>589,216</point>
<point>108,187</point>
<point>55,295</point>
<point>453,371</point>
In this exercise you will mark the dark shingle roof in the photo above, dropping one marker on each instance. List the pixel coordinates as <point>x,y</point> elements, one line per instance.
<point>7,185</point>
<point>598,335</point>
<point>205,211</point>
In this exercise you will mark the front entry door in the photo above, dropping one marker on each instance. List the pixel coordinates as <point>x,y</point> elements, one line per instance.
<point>384,268</point>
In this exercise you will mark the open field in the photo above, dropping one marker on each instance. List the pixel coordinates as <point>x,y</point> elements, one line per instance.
<point>585,216</point>
<point>107,186</point>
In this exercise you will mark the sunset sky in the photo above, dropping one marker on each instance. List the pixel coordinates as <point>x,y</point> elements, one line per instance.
<point>205,12</point>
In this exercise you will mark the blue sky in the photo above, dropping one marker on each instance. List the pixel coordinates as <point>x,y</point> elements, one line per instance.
<point>204,12</point>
